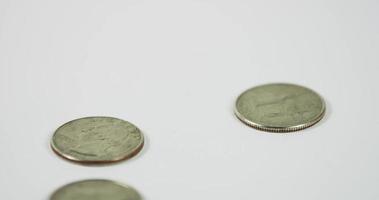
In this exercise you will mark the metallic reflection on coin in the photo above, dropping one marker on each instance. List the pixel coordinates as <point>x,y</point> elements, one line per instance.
<point>280,107</point>
<point>95,190</point>
<point>97,140</point>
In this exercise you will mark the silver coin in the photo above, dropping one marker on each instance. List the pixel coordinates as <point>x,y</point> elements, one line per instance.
<point>97,140</point>
<point>95,190</point>
<point>280,107</point>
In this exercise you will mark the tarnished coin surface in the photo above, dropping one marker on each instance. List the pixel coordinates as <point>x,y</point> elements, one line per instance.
<point>95,190</point>
<point>280,107</point>
<point>97,140</point>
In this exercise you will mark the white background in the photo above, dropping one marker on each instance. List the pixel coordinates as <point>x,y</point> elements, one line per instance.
<point>174,68</point>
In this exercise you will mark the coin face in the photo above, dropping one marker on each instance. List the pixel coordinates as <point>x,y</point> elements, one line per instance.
<point>97,140</point>
<point>280,107</point>
<point>95,190</point>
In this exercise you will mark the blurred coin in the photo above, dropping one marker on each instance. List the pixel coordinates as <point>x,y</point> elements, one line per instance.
<point>95,190</point>
<point>280,107</point>
<point>97,140</point>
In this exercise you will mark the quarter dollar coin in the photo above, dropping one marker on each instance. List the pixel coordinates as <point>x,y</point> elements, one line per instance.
<point>97,140</point>
<point>280,107</point>
<point>95,190</point>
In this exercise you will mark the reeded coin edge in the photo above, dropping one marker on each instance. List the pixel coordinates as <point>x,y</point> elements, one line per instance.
<point>91,180</point>
<point>68,157</point>
<point>280,129</point>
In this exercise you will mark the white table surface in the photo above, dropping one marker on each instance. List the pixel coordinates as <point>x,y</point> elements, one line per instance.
<point>174,68</point>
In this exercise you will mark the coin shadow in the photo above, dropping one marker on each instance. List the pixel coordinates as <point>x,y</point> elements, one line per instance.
<point>130,158</point>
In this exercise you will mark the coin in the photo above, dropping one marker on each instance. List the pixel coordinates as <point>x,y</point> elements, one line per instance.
<point>95,190</point>
<point>97,140</point>
<point>280,107</point>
